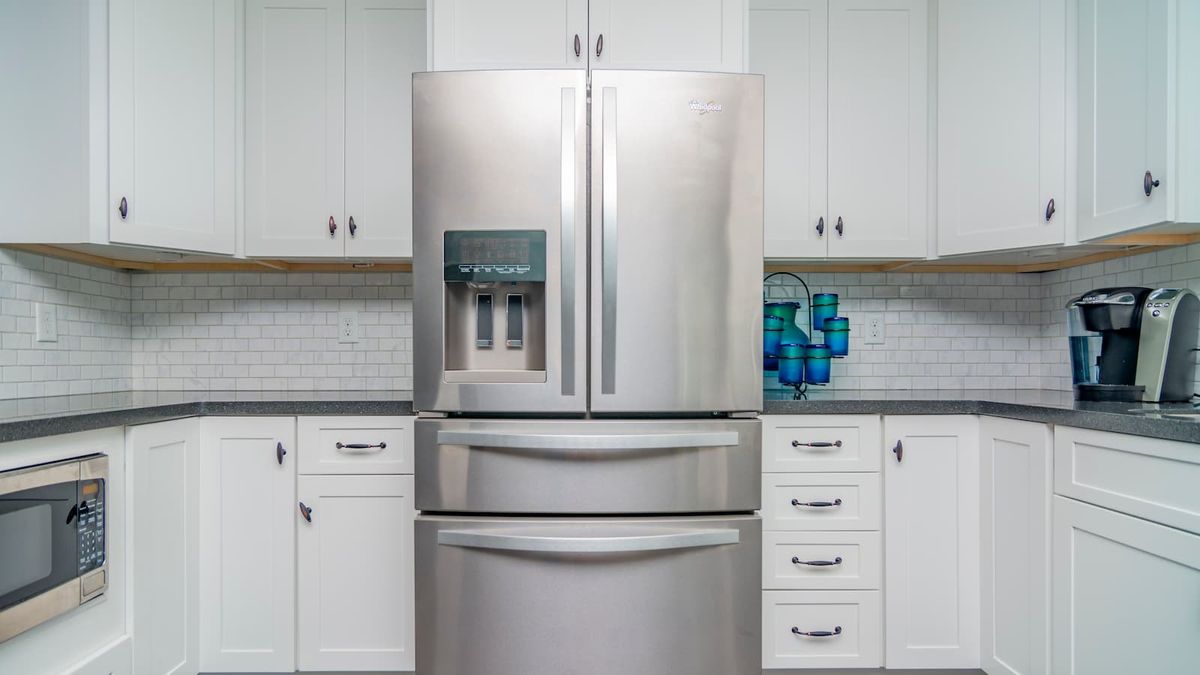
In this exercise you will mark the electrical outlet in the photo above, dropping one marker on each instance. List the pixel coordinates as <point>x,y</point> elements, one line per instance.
<point>347,327</point>
<point>875,332</point>
<point>47,323</point>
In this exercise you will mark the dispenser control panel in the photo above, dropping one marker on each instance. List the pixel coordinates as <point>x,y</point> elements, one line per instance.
<point>494,255</point>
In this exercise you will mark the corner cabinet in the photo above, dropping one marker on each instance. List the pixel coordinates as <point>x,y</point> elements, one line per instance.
<point>1001,124</point>
<point>931,541</point>
<point>847,156</point>
<point>173,97</point>
<point>328,126</point>
<point>700,35</point>
<point>247,538</point>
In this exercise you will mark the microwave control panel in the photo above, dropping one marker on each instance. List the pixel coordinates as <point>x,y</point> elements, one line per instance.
<point>91,525</point>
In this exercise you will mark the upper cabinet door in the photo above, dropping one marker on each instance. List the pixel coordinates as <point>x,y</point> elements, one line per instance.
<point>385,45</point>
<point>788,45</point>
<point>702,35</point>
<point>172,140</point>
<point>1001,124</point>
<point>514,34</point>
<point>878,121</point>
<point>1124,116</point>
<point>295,128</point>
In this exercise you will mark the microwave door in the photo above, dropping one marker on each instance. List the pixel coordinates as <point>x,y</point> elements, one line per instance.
<point>500,241</point>
<point>676,276</point>
<point>38,539</point>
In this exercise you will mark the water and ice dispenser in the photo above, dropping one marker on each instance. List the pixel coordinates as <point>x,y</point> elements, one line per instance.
<point>495,294</point>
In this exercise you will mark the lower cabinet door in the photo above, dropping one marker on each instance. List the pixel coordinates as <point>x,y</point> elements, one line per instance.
<point>354,566</point>
<point>247,563</point>
<point>1126,594</point>
<point>822,629</point>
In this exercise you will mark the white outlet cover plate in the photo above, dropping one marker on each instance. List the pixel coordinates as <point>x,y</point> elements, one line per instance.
<point>46,323</point>
<point>347,327</point>
<point>874,332</point>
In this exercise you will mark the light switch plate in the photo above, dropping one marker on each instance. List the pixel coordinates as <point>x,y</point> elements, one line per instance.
<point>874,329</point>
<point>47,322</point>
<point>347,327</point>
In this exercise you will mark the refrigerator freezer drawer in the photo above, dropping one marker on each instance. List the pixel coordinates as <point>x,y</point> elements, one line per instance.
<point>588,467</point>
<point>628,596</point>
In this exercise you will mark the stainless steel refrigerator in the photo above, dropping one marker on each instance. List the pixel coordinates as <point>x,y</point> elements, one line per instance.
<point>588,349</point>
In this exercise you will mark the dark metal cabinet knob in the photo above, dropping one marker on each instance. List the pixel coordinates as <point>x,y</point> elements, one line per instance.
<point>840,227</point>
<point>1149,183</point>
<point>837,630</point>
<point>817,563</point>
<point>123,208</point>
<point>899,451</point>
<point>305,511</point>
<point>599,45</point>
<point>816,444</point>
<point>350,224</point>
<point>1050,210</point>
<point>577,46</point>
<point>818,505</point>
<point>821,226</point>
<point>279,453</point>
<point>332,226</point>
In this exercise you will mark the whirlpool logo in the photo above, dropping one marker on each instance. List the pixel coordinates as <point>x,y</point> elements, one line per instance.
<point>704,108</point>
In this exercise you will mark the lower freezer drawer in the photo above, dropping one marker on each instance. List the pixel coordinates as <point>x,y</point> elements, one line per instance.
<point>588,596</point>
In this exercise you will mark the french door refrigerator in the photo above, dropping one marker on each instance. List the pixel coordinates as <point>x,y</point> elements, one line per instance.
<point>588,349</point>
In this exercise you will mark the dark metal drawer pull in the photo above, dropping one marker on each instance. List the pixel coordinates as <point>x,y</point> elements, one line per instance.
<point>817,444</point>
<point>819,505</point>
<point>1148,183</point>
<point>123,208</point>
<point>817,563</point>
<point>577,50</point>
<point>837,630</point>
<point>279,453</point>
<point>305,511</point>
<point>821,226</point>
<point>899,451</point>
<point>359,446</point>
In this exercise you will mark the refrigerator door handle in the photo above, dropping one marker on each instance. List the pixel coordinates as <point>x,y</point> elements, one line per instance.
<point>523,441</point>
<point>608,226</point>
<point>567,241</point>
<point>549,541</point>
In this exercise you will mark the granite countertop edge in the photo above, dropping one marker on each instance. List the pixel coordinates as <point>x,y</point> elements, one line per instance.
<point>128,410</point>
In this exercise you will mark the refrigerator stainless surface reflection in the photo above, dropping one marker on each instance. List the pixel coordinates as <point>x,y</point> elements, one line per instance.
<point>587,277</point>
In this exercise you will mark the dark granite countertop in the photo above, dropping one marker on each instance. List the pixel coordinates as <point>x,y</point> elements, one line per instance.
<point>37,417</point>
<point>1168,421</point>
<point>50,415</point>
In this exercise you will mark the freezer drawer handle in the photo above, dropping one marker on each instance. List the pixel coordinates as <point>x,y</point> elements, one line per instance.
<point>360,446</point>
<point>494,439</point>
<point>817,563</point>
<point>837,630</point>
<point>819,505</point>
<point>816,444</point>
<point>655,540</point>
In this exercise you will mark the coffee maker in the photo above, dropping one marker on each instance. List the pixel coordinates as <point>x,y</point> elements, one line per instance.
<point>1133,344</point>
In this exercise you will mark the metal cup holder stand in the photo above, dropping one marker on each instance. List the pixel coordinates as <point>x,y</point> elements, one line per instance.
<point>800,388</point>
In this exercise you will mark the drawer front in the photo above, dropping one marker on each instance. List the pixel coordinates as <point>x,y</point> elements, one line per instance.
<point>821,443</point>
<point>355,445</point>
<point>855,619</point>
<point>822,560</point>
<point>825,501</point>
<point>1145,477</point>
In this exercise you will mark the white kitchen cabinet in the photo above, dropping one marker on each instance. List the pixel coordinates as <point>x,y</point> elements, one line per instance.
<point>703,35</point>
<point>788,44</point>
<point>385,45</point>
<point>878,129</point>
<point>931,541</point>
<point>247,619</point>
<point>54,157</point>
<point>1187,156</point>
<point>164,474</point>
<point>1015,491</point>
<point>172,106</point>
<point>328,126</point>
<point>355,573</point>
<point>1001,124</point>
<point>1126,593</point>
<point>488,35</point>
<point>1125,100</point>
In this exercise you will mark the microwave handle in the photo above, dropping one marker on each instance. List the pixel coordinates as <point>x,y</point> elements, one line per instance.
<point>523,441</point>
<point>552,542</point>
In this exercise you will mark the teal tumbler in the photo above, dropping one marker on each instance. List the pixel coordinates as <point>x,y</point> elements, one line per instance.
<point>837,335</point>
<point>824,306</point>
<point>791,364</point>
<point>816,363</point>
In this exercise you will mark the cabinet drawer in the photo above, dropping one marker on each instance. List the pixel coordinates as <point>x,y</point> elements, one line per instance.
<point>821,443</point>
<point>795,501</point>
<point>793,560</point>
<point>355,445</point>
<point>1145,477</point>
<point>854,617</point>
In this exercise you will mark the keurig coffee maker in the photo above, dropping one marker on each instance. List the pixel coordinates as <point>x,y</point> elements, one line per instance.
<point>1133,344</point>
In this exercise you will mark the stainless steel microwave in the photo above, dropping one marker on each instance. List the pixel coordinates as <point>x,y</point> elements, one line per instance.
<point>52,540</point>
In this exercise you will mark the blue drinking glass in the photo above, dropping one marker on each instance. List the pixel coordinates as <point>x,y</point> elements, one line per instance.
<point>773,327</point>
<point>837,335</point>
<point>791,364</point>
<point>816,363</point>
<point>824,306</point>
